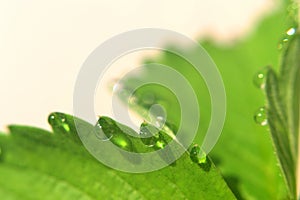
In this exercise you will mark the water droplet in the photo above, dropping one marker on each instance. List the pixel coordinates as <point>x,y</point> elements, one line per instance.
<point>160,144</point>
<point>122,141</point>
<point>157,114</point>
<point>287,37</point>
<point>151,136</point>
<point>260,116</point>
<point>197,155</point>
<point>160,121</point>
<point>100,133</point>
<point>114,133</point>
<point>58,122</point>
<point>160,118</point>
<point>107,127</point>
<point>66,127</point>
<point>259,78</point>
<point>291,31</point>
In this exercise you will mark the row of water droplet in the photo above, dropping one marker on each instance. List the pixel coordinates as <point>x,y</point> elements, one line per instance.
<point>259,80</point>
<point>152,137</point>
<point>156,141</point>
<point>287,36</point>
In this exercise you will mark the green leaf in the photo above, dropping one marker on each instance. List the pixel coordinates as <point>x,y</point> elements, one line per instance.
<point>289,86</point>
<point>244,151</point>
<point>37,164</point>
<point>283,111</point>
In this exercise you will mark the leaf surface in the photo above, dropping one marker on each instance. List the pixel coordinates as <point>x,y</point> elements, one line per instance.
<point>37,164</point>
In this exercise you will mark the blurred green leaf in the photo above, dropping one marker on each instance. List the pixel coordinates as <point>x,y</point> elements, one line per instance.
<point>244,151</point>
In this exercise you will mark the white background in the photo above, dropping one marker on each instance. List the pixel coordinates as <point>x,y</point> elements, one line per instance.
<point>44,43</point>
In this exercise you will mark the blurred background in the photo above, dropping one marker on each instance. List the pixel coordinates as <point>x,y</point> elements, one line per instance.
<point>44,43</point>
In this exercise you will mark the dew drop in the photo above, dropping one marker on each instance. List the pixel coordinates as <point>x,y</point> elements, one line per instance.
<point>66,127</point>
<point>58,121</point>
<point>160,144</point>
<point>51,119</point>
<point>122,141</point>
<point>260,116</point>
<point>114,133</point>
<point>287,37</point>
<point>291,31</point>
<point>160,121</point>
<point>197,155</point>
<point>259,78</point>
<point>100,133</point>
<point>105,128</point>
<point>151,136</point>
<point>157,114</point>
<point>160,118</point>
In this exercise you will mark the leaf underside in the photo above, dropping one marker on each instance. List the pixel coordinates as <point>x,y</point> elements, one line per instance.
<point>283,111</point>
